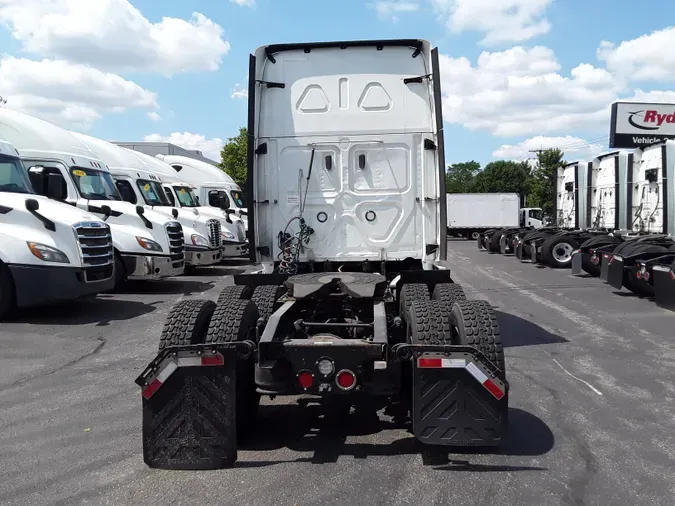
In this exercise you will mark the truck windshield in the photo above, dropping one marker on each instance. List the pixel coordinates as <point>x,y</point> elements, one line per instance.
<point>186,196</point>
<point>536,214</point>
<point>13,177</point>
<point>95,184</point>
<point>152,192</point>
<point>237,198</point>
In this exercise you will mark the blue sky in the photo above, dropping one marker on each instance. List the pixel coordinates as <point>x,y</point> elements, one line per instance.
<point>517,74</point>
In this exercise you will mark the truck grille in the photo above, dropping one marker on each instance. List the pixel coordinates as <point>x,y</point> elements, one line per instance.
<point>96,246</point>
<point>214,233</point>
<point>176,245</point>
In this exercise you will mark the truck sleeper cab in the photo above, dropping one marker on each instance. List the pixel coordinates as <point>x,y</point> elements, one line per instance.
<point>62,167</point>
<point>48,251</point>
<point>183,194</point>
<point>139,185</point>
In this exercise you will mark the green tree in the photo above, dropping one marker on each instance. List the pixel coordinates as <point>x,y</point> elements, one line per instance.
<point>544,178</point>
<point>233,158</point>
<point>504,176</point>
<point>460,176</point>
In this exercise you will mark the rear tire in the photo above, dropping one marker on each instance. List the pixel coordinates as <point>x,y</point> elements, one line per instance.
<point>410,293</point>
<point>557,251</point>
<point>475,324</point>
<point>7,295</point>
<point>187,323</point>
<point>235,320</point>
<point>448,293</point>
<point>234,292</point>
<point>494,241</point>
<point>429,323</point>
<point>265,297</point>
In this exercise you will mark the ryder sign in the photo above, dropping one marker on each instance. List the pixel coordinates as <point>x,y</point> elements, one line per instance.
<point>636,124</point>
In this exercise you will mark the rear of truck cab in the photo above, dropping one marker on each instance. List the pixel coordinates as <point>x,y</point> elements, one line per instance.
<point>48,251</point>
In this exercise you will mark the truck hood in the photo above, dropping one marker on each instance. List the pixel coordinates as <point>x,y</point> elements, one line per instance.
<point>55,211</point>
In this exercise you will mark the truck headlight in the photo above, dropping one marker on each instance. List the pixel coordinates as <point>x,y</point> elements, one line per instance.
<point>47,253</point>
<point>148,244</point>
<point>226,235</point>
<point>200,240</point>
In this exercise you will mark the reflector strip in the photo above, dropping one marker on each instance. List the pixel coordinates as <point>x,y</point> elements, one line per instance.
<point>172,365</point>
<point>441,363</point>
<point>493,389</point>
<point>476,373</point>
<point>460,363</point>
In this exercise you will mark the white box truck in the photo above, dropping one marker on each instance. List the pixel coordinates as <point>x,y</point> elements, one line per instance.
<point>470,214</point>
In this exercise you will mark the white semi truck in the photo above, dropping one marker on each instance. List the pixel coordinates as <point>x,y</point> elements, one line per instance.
<point>147,244</point>
<point>212,184</point>
<point>48,251</point>
<point>357,305</point>
<point>183,194</point>
<point>138,184</point>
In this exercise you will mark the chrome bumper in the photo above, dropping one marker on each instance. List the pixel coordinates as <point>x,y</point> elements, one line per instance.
<point>234,249</point>
<point>202,257</point>
<point>140,267</point>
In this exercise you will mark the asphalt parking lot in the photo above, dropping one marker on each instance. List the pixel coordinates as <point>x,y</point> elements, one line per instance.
<point>592,415</point>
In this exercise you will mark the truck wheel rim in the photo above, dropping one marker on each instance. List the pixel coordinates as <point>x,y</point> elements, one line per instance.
<point>562,252</point>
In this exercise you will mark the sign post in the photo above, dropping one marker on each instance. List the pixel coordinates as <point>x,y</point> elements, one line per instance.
<point>635,124</point>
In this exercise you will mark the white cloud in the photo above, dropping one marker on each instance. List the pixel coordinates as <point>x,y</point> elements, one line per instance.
<point>154,116</point>
<point>519,92</point>
<point>66,93</point>
<point>574,148</point>
<point>389,9</point>
<point>649,57</point>
<point>239,91</point>
<point>113,34</point>
<point>501,21</point>
<point>244,3</point>
<point>211,148</point>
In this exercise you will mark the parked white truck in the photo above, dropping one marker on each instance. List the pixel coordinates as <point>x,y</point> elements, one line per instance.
<point>358,306</point>
<point>182,194</point>
<point>48,251</point>
<point>147,244</point>
<point>138,184</point>
<point>471,214</point>
<point>212,184</point>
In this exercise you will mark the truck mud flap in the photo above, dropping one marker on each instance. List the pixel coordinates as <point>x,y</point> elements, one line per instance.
<point>458,399</point>
<point>519,251</point>
<point>189,407</point>
<point>577,263</point>
<point>503,248</point>
<point>615,271</point>
<point>604,266</point>
<point>479,242</point>
<point>663,279</point>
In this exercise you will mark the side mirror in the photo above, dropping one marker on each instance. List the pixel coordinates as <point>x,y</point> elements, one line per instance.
<point>32,205</point>
<point>140,210</point>
<point>55,186</point>
<point>222,202</point>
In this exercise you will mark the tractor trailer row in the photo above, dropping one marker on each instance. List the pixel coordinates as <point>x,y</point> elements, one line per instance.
<point>615,219</point>
<point>80,216</point>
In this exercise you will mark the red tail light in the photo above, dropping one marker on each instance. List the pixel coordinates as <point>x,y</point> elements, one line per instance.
<point>672,275</point>
<point>345,379</point>
<point>646,276</point>
<point>305,378</point>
